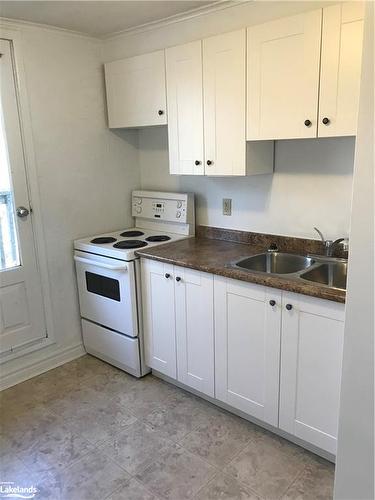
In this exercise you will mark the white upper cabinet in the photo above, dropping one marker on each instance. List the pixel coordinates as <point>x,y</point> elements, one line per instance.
<point>340,69</point>
<point>311,359</point>
<point>206,89</point>
<point>247,347</point>
<point>195,329</point>
<point>185,108</point>
<point>283,77</point>
<point>136,93</point>
<point>304,74</point>
<point>224,90</point>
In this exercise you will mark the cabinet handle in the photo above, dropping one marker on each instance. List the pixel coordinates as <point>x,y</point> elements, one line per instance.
<point>289,307</point>
<point>178,278</point>
<point>307,123</point>
<point>167,275</point>
<point>209,162</point>
<point>160,112</point>
<point>197,162</point>
<point>272,303</point>
<point>325,120</point>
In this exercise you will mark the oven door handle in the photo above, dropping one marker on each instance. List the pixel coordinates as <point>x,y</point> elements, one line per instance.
<point>119,267</point>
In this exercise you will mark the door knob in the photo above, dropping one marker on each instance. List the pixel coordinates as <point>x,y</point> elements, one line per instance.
<point>22,212</point>
<point>289,307</point>
<point>197,162</point>
<point>160,112</point>
<point>209,162</point>
<point>325,120</point>
<point>167,275</point>
<point>307,123</point>
<point>178,278</point>
<point>272,303</point>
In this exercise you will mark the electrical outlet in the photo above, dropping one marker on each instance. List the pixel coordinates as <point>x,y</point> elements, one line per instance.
<point>227,206</point>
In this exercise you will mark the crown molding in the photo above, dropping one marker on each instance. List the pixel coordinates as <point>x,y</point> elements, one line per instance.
<point>17,24</point>
<point>177,18</point>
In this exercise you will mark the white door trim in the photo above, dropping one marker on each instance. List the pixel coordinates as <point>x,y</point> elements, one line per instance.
<point>15,36</point>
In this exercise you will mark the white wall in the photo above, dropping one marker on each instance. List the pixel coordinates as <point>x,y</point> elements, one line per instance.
<point>311,187</point>
<point>85,173</point>
<point>313,178</point>
<point>355,453</point>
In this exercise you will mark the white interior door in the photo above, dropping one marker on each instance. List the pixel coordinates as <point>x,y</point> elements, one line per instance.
<point>224,91</point>
<point>340,69</point>
<point>185,108</point>
<point>22,318</point>
<point>283,77</point>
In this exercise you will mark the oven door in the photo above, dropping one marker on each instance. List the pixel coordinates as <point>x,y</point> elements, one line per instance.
<point>107,292</point>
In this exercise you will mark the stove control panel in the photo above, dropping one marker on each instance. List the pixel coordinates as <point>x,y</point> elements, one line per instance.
<point>175,208</point>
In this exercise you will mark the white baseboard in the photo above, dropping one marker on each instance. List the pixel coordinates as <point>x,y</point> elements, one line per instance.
<point>42,364</point>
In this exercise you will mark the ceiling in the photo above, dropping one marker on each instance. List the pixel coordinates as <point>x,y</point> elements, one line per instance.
<point>99,19</point>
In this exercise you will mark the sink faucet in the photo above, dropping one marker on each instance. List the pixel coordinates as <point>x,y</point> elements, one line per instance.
<point>329,245</point>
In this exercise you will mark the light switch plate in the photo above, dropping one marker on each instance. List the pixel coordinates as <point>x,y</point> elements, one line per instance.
<point>227,206</point>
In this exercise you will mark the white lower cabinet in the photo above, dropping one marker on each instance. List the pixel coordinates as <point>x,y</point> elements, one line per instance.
<point>311,357</point>
<point>195,329</point>
<point>247,347</point>
<point>179,323</point>
<point>276,356</point>
<point>159,316</point>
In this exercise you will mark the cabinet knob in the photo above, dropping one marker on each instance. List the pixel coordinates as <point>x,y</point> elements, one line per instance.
<point>197,162</point>
<point>307,123</point>
<point>325,120</point>
<point>167,275</point>
<point>209,162</point>
<point>178,278</point>
<point>272,303</point>
<point>160,112</point>
<point>289,307</point>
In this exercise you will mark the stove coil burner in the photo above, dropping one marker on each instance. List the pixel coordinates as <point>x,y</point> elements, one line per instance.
<point>103,239</point>
<point>128,244</point>
<point>131,234</point>
<point>158,237</point>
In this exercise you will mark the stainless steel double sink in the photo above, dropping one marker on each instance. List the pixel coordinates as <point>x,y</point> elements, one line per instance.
<point>326,271</point>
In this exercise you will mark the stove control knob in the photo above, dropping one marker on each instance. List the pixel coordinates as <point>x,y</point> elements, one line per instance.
<point>179,204</point>
<point>138,210</point>
<point>178,215</point>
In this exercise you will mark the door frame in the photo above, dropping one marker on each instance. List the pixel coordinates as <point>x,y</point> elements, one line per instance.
<point>10,31</point>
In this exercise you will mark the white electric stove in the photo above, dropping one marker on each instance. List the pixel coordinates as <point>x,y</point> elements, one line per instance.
<point>108,276</point>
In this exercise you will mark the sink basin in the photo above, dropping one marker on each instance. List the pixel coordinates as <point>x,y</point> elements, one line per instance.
<point>275,263</point>
<point>332,274</point>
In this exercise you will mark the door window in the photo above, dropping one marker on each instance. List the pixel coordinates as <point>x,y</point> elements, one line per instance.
<point>9,252</point>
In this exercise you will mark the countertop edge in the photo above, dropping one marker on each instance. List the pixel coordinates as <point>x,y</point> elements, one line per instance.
<point>304,288</point>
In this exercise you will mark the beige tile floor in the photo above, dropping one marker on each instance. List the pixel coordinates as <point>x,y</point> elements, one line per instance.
<point>87,431</point>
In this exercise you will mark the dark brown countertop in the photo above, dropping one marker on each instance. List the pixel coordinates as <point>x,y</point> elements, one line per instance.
<point>217,257</point>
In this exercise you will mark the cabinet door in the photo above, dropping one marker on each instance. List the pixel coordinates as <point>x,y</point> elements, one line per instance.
<point>185,108</point>
<point>340,69</point>
<point>159,316</point>
<point>195,329</point>
<point>311,357</point>
<point>136,94</point>
<point>247,347</point>
<point>224,63</point>
<point>283,77</point>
